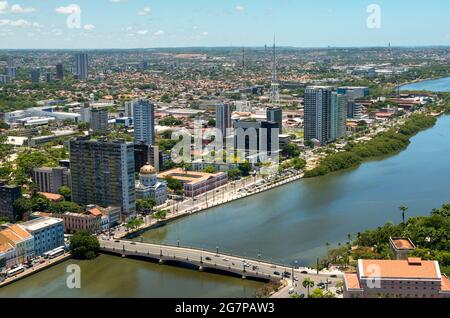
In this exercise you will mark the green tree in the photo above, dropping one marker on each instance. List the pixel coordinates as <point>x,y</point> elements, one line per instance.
<point>291,151</point>
<point>403,209</point>
<point>84,246</point>
<point>65,206</point>
<point>317,293</point>
<point>212,122</point>
<point>145,206</point>
<point>160,215</point>
<point>21,206</point>
<point>66,192</point>
<point>308,283</point>
<point>210,169</point>
<point>245,168</point>
<point>174,185</point>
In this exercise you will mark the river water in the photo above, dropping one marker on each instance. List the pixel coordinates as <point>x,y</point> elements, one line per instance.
<point>294,222</point>
<point>437,85</point>
<point>289,224</point>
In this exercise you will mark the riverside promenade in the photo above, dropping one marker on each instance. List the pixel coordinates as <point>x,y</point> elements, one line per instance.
<point>233,191</point>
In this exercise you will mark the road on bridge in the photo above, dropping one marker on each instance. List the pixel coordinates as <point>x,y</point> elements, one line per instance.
<point>211,260</point>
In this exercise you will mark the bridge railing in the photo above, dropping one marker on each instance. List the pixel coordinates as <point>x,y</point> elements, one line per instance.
<point>214,252</point>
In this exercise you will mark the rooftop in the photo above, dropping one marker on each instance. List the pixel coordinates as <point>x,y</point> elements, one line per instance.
<point>352,281</point>
<point>413,268</point>
<point>190,177</point>
<point>52,196</point>
<point>39,223</point>
<point>401,243</point>
<point>5,247</point>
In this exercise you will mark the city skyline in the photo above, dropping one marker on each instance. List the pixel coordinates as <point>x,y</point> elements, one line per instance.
<point>151,24</point>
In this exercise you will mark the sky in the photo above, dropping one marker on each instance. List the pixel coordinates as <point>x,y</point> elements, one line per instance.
<point>89,24</point>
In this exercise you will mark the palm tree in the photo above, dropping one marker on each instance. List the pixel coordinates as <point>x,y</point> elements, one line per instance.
<point>403,209</point>
<point>308,283</point>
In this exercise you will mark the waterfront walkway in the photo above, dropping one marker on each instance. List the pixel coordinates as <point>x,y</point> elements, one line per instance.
<point>231,192</point>
<point>214,261</point>
<point>36,269</point>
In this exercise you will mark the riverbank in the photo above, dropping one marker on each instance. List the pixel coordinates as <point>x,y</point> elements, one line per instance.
<point>36,269</point>
<point>239,196</point>
<point>435,85</point>
<point>383,144</point>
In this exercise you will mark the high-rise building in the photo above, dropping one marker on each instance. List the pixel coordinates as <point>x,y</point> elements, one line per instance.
<point>8,195</point>
<point>223,118</point>
<point>257,139</point>
<point>99,120</point>
<point>128,109</point>
<point>317,113</point>
<point>144,122</point>
<point>11,69</point>
<point>338,116</point>
<point>103,173</point>
<point>11,72</point>
<point>354,92</point>
<point>48,77</point>
<point>275,114</point>
<point>36,75</point>
<point>4,79</point>
<point>50,180</point>
<point>354,110</point>
<point>59,71</point>
<point>82,66</point>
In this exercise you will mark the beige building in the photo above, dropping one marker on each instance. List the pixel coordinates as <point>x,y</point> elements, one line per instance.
<point>411,278</point>
<point>20,239</point>
<point>194,182</point>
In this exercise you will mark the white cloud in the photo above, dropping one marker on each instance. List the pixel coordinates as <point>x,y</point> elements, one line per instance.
<point>19,23</point>
<point>142,32</point>
<point>118,1</point>
<point>71,8</point>
<point>205,33</point>
<point>240,8</point>
<point>144,11</point>
<point>89,27</point>
<point>3,6</point>
<point>17,8</point>
<point>159,33</point>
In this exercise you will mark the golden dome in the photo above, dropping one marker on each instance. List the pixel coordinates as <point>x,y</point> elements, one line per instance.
<point>147,169</point>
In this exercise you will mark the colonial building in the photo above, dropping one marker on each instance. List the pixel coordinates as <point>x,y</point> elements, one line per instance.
<point>196,183</point>
<point>411,278</point>
<point>148,185</point>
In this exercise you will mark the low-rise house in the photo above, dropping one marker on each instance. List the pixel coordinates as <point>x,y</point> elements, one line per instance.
<point>52,196</point>
<point>22,241</point>
<point>8,256</point>
<point>48,233</point>
<point>76,222</point>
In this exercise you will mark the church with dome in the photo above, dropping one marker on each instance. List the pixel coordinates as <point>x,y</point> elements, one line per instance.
<point>148,186</point>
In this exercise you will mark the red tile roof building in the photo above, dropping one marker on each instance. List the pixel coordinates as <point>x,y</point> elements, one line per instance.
<point>411,278</point>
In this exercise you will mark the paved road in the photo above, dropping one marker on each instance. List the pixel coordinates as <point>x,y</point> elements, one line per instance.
<point>207,260</point>
<point>230,192</point>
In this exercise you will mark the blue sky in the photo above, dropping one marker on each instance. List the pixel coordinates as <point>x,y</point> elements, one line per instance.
<point>180,23</point>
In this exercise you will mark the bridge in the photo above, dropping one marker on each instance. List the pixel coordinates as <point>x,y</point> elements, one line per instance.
<point>201,259</point>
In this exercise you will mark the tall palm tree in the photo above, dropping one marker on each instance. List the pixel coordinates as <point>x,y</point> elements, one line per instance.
<point>308,283</point>
<point>403,209</point>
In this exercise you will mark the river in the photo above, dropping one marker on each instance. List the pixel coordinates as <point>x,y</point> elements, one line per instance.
<point>294,222</point>
<point>288,224</point>
<point>436,85</point>
<point>111,276</point>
